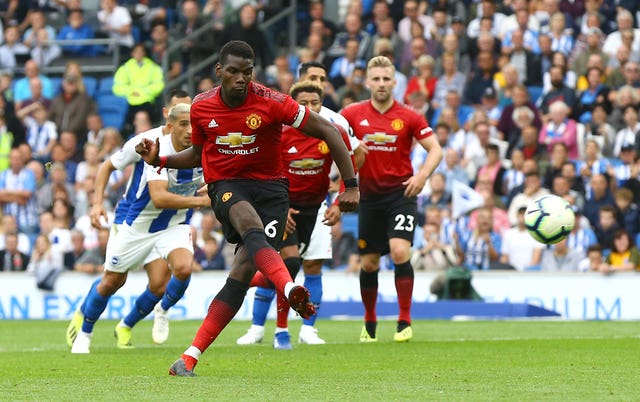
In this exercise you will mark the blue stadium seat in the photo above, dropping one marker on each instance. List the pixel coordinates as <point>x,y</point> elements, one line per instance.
<point>56,82</point>
<point>112,109</point>
<point>90,85</point>
<point>350,223</point>
<point>136,33</point>
<point>105,87</point>
<point>535,93</point>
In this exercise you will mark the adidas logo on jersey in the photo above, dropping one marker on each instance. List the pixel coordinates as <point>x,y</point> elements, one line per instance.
<point>364,122</point>
<point>293,150</point>
<point>213,123</point>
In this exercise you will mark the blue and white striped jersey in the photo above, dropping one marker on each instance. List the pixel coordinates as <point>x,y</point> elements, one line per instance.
<point>142,215</point>
<point>126,156</point>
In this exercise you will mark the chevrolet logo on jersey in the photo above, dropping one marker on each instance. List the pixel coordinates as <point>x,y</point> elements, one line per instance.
<point>306,163</point>
<point>380,138</point>
<point>234,140</point>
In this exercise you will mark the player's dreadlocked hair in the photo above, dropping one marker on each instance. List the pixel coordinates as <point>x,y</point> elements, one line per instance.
<point>236,48</point>
<point>306,86</point>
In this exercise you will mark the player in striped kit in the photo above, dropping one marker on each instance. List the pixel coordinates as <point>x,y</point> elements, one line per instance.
<point>156,267</point>
<point>156,222</point>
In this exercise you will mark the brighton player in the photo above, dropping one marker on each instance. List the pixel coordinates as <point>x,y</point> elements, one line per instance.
<point>237,129</point>
<point>163,285</point>
<point>157,221</point>
<point>387,215</point>
<point>317,249</point>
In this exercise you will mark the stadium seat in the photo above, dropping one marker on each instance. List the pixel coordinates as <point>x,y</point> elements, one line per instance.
<point>113,110</point>
<point>350,224</point>
<point>136,33</point>
<point>56,83</point>
<point>535,93</point>
<point>105,87</point>
<point>90,85</point>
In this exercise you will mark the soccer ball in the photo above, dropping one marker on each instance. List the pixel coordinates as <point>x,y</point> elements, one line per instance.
<point>549,219</point>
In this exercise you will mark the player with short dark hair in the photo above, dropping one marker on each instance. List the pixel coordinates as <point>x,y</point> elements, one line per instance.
<point>388,211</point>
<point>237,130</point>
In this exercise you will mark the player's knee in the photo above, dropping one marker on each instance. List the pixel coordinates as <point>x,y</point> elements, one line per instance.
<point>370,263</point>
<point>157,289</point>
<point>399,254</point>
<point>183,269</point>
<point>313,267</point>
<point>110,284</point>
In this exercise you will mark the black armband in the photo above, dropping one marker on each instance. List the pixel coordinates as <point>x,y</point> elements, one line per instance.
<point>351,183</point>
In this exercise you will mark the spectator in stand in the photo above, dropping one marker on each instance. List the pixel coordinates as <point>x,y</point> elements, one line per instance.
<point>500,220</point>
<point>481,79</point>
<point>95,130</point>
<point>606,226</point>
<point>532,190</point>
<point>91,261</point>
<point>561,258</point>
<point>42,134</point>
<point>158,48</point>
<point>594,261</point>
<point>22,90</point>
<point>410,54</point>
<point>213,259</point>
<point>61,155</point>
<point>116,23</point>
<point>316,13</point>
<point>523,58</point>
<point>10,225</point>
<point>36,19</point>
<point>560,92</point>
<point>621,98</point>
<point>71,108</point>
<point>628,135</point>
<point>45,264</point>
<point>560,128</point>
<point>614,76</point>
<point>452,170</point>
<point>386,31</point>
<point>200,47</point>
<point>530,146</point>
<point>111,142</point>
<point>492,170</point>
<point>451,80</point>
<point>593,46</point>
<point>77,29</point>
<point>597,93</point>
<point>35,86</point>
<point>47,194</point>
<point>623,172</point>
<point>624,20</point>
<point>433,254</point>
<point>17,194</point>
<point>519,249</point>
<point>624,254</point>
<point>12,259</point>
<point>248,29</point>
<point>141,122</point>
<point>480,249</point>
<point>486,11</point>
<point>141,82</point>
<point>77,250</point>
<point>11,48</point>
<point>599,196</point>
<point>89,166</point>
<point>44,52</point>
<point>412,15</point>
<point>355,85</point>
<point>343,66</point>
<point>561,38</point>
<point>352,29</point>
<point>520,97</point>
<point>628,214</point>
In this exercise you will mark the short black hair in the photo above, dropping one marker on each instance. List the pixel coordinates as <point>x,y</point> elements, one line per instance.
<point>304,67</point>
<point>176,93</point>
<point>236,48</point>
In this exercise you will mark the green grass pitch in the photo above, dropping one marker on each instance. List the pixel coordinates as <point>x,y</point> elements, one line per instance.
<point>448,361</point>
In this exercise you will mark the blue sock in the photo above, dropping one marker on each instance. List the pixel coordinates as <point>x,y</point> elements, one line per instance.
<point>94,305</point>
<point>84,302</point>
<point>143,306</point>
<point>261,303</point>
<point>174,292</point>
<point>313,283</point>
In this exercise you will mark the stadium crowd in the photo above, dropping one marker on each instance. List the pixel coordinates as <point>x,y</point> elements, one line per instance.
<point>526,97</point>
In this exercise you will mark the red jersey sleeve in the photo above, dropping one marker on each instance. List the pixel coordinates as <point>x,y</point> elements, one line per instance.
<point>293,114</point>
<point>197,132</point>
<point>421,128</point>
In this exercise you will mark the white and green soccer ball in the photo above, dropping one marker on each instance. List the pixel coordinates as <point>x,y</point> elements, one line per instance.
<point>549,219</point>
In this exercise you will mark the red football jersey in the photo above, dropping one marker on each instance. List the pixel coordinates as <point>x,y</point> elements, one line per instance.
<point>243,142</point>
<point>389,137</point>
<point>307,163</point>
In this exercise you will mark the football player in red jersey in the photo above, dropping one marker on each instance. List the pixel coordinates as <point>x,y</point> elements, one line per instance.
<point>237,129</point>
<point>308,237</point>
<point>387,215</point>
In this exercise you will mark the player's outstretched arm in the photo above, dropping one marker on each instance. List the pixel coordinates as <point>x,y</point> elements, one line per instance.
<point>187,159</point>
<point>320,128</point>
<point>97,208</point>
<point>164,199</point>
<point>416,183</point>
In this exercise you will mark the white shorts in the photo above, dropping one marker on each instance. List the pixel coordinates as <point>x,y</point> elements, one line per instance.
<point>129,249</point>
<point>153,255</point>
<point>320,242</point>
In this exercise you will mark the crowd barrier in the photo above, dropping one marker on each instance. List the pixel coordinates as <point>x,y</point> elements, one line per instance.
<point>575,296</point>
